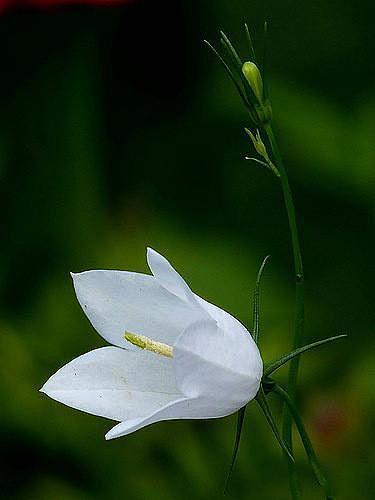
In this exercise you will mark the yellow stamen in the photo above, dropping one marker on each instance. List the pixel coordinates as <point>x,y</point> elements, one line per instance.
<point>149,344</point>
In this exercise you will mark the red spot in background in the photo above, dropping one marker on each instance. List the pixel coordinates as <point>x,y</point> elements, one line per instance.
<point>329,422</point>
<point>333,422</point>
<point>42,4</point>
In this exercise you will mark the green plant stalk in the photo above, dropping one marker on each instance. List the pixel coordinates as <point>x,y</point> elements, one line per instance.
<point>299,304</point>
<point>315,465</point>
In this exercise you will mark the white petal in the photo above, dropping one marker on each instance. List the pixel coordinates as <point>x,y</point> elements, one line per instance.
<point>169,278</point>
<point>169,412</point>
<point>225,320</point>
<point>222,367</point>
<point>115,301</point>
<point>181,408</point>
<point>115,383</point>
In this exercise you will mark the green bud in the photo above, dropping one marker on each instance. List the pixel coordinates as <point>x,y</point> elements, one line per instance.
<point>253,76</point>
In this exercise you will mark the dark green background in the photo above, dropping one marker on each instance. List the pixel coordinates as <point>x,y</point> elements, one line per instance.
<point>119,130</point>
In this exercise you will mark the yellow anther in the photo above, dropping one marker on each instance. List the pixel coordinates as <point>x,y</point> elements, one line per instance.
<point>149,344</point>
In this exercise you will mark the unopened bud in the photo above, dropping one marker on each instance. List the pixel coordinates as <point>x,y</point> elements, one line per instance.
<point>253,76</point>
<point>261,149</point>
<point>259,146</point>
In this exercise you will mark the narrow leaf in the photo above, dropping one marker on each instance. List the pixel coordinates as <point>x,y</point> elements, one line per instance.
<point>250,44</point>
<point>256,300</point>
<point>315,465</point>
<point>275,365</point>
<point>263,403</point>
<point>263,163</point>
<point>229,71</point>
<point>231,50</point>
<point>236,60</point>
<point>264,62</point>
<point>240,420</point>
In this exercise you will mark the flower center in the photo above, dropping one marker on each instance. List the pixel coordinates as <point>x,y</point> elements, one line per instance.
<point>149,344</point>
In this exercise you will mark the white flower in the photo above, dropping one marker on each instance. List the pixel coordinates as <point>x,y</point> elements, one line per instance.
<point>182,356</point>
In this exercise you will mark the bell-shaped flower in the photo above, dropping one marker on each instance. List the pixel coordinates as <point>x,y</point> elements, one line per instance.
<point>173,354</point>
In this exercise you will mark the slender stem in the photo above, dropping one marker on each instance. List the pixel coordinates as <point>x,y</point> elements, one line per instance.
<point>299,308</point>
<point>240,420</point>
<point>317,469</point>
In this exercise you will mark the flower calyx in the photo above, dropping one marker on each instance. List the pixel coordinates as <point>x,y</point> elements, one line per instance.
<point>254,79</point>
<point>260,148</point>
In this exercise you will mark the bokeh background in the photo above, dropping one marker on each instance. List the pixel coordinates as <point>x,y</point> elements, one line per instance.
<point>119,130</point>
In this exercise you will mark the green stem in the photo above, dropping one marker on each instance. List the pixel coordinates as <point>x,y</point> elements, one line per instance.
<point>299,308</point>
<point>315,465</point>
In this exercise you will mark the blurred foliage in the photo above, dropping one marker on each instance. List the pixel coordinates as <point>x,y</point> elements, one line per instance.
<point>118,130</point>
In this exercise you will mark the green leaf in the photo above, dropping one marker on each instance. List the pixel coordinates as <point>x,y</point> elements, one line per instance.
<point>231,50</point>
<point>313,460</point>
<point>264,62</point>
<point>229,71</point>
<point>255,332</point>
<point>263,403</point>
<point>236,60</point>
<point>240,420</point>
<point>275,365</point>
<point>263,163</point>
<point>250,44</point>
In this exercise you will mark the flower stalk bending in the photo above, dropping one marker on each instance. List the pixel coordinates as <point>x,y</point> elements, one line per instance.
<point>250,83</point>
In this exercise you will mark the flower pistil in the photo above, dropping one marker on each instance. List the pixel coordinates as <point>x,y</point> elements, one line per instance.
<point>149,344</point>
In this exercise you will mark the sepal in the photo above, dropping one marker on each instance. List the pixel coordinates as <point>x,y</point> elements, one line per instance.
<point>263,403</point>
<point>240,420</point>
<point>275,365</point>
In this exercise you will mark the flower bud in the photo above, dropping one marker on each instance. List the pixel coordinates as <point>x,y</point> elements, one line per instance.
<point>253,76</point>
